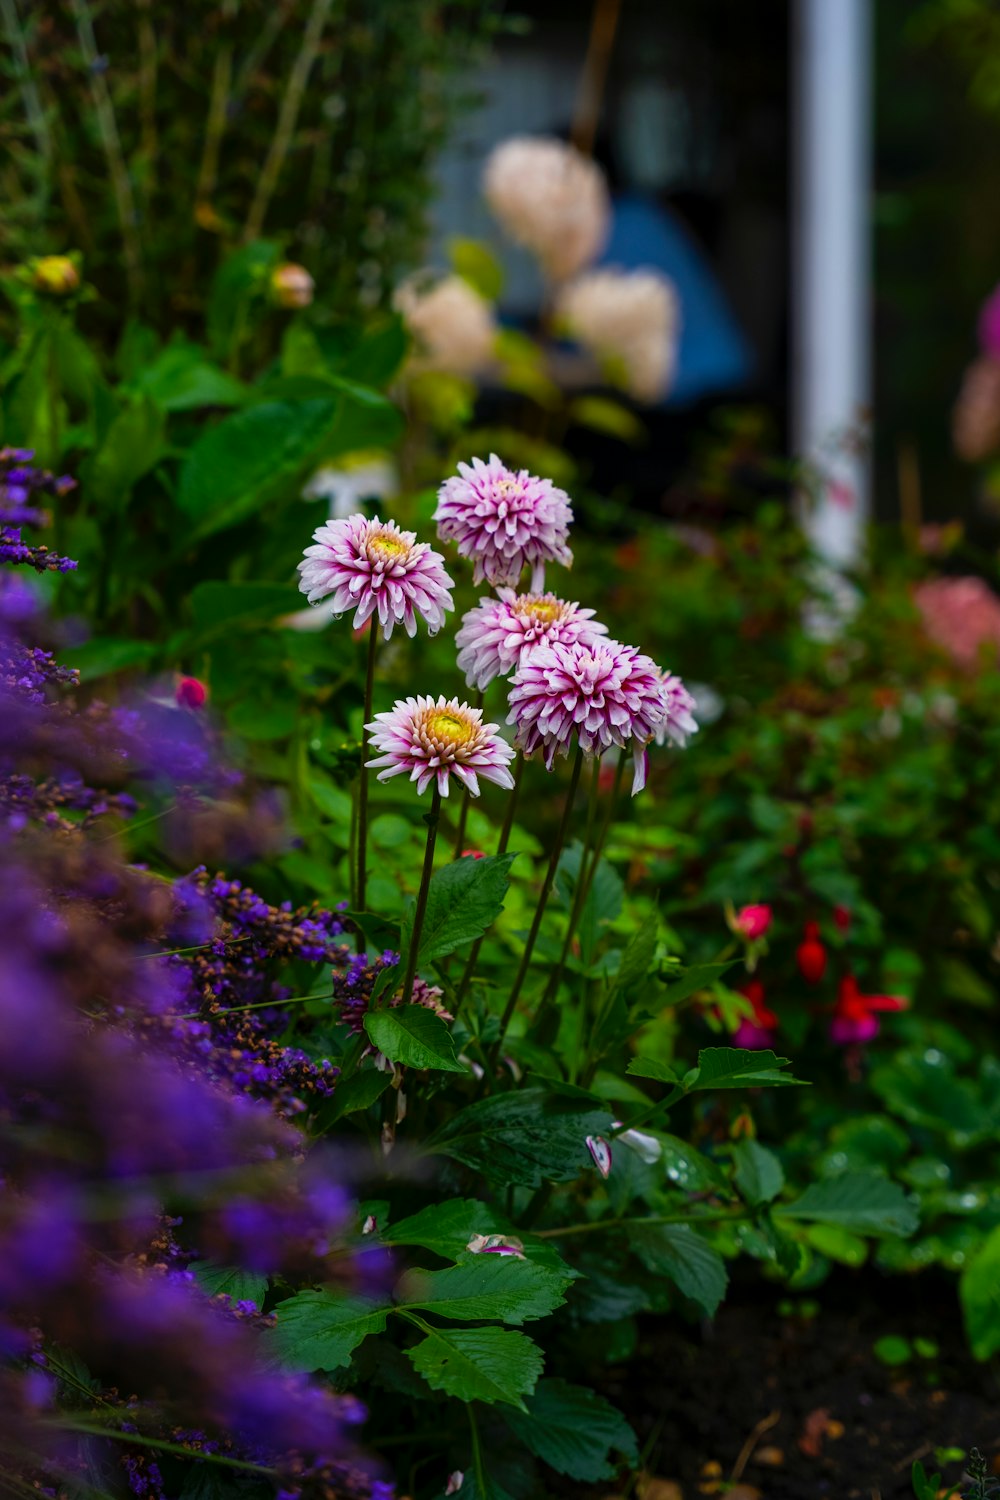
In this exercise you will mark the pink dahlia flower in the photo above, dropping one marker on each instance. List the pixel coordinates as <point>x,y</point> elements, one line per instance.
<point>501,519</point>
<point>374,568</point>
<point>494,636</point>
<point>605,693</point>
<point>434,737</point>
<point>962,616</point>
<point>678,711</point>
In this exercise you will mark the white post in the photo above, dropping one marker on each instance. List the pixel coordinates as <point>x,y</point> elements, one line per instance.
<point>831,364</point>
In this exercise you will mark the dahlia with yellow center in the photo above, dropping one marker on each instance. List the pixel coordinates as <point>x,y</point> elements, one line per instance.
<point>495,636</point>
<point>435,738</point>
<point>376,569</point>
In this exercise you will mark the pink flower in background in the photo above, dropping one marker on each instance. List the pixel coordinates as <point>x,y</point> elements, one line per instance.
<point>962,615</point>
<point>855,1016</point>
<point>606,694</point>
<point>678,712</point>
<point>502,519</point>
<point>989,325</point>
<point>494,636</point>
<point>190,693</point>
<point>435,738</point>
<point>376,569</point>
<point>761,1030</point>
<point>752,922</point>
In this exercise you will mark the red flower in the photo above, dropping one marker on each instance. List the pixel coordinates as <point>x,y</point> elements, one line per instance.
<point>190,693</point>
<point>752,922</point>
<point>473,854</point>
<point>811,955</point>
<point>855,1017</point>
<point>842,917</point>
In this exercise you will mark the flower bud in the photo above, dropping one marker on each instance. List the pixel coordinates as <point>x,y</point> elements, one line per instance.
<point>56,275</point>
<point>191,693</point>
<point>811,955</point>
<point>291,285</point>
<point>842,918</point>
<point>473,854</point>
<point>751,922</point>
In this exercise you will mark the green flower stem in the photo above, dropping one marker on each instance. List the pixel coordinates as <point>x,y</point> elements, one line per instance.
<point>723,1216</point>
<point>216,1460</point>
<point>582,888</point>
<point>431,820</point>
<point>550,876</point>
<point>463,814</point>
<point>505,833</point>
<point>362,893</point>
<point>477,1452</point>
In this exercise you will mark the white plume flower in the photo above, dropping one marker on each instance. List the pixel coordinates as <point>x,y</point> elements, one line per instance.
<point>550,198</point>
<point>628,319</point>
<point>452,324</point>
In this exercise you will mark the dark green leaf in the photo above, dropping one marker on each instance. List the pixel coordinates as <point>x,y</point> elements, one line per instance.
<point>737,1068</point>
<point>182,378</point>
<point>979,1290</point>
<point>105,655</point>
<point>464,898</point>
<point>130,449</point>
<point>479,1364</point>
<point>575,1431</point>
<point>353,1094</point>
<point>486,1286</point>
<point>651,1067</point>
<point>863,1202</point>
<point>527,1138</point>
<point>216,604</point>
<point>241,1286</point>
<point>446,1228</point>
<point>252,456</point>
<point>675,1250</point>
<point>414,1036</point>
<point>318,1330</point>
<point>638,955</point>
<point>759,1176</point>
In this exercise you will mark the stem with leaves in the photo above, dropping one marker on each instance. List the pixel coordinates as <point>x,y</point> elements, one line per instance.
<point>363,786</point>
<point>505,833</point>
<point>431,819</point>
<point>582,889</point>
<point>463,814</point>
<point>550,875</point>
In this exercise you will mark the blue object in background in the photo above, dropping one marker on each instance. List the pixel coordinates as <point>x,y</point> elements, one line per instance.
<point>714,356</point>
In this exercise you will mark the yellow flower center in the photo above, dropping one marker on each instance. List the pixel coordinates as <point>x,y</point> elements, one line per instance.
<point>387,547</point>
<point>544,610</point>
<point>449,727</point>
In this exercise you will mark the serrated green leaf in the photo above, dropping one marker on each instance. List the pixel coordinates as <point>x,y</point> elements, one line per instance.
<point>413,1036</point>
<point>479,1364</point>
<point>863,1202</point>
<point>318,1330</point>
<point>486,1286</point>
<point>352,1095</point>
<point>446,1228</point>
<point>638,955</point>
<point>651,1067</point>
<point>527,1138</point>
<point>737,1068</point>
<point>675,1250</point>
<point>759,1175</point>
<point>464,898</point>
<point>575,1431</point>
<point>239,1285</point>
<point>979,1290</point>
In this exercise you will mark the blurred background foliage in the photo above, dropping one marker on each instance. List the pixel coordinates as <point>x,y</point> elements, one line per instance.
<point>156,139</point>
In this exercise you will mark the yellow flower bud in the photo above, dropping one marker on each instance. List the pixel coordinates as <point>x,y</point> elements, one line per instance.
<point>56,275</point>
<point>291,285</point>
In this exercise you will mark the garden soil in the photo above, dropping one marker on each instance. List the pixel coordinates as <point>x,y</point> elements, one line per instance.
<point>798,1407</point>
